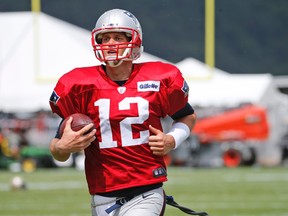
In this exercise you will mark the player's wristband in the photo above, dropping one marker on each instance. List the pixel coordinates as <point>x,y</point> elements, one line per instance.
<point>180,132</point>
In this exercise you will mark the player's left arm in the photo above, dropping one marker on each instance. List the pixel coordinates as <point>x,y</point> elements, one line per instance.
<point>184,121</point>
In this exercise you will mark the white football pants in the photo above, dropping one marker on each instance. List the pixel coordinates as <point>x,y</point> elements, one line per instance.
<point>150,203</point>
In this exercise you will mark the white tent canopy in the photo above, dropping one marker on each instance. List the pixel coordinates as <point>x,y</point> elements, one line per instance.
<point>214,87</point>
<point>36,49</point>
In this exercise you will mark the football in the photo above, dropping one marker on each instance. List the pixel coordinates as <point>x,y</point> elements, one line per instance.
<point>79,121</point>
<point>17,183</point>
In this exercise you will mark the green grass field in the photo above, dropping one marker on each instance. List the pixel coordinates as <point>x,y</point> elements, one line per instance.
<point>220,192</point>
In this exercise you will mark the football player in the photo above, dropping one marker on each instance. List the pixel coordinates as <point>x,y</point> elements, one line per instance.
<point>124,155</point>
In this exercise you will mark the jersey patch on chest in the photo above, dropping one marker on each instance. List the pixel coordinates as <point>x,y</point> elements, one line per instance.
<point>121,89</point>
<point>149,85</point>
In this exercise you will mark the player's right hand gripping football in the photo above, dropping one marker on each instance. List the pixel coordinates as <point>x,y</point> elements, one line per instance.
<point>75,141</point>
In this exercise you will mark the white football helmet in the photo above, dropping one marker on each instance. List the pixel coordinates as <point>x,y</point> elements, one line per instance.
<point>117,20</point>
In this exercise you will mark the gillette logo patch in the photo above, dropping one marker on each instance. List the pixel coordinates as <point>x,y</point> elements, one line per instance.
<point>145,86</point>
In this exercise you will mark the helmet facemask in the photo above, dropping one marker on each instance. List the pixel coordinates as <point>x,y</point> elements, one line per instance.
<point>132,48</point>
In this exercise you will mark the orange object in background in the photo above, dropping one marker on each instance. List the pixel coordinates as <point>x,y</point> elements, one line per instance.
<point>246,123</point>
<point>232,158</point>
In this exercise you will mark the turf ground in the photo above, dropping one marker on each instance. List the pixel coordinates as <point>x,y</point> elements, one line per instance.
<point>220,192</point>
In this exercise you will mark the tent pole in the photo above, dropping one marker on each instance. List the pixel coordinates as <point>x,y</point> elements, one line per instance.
<point>36,5</point>
<point>210,32</point>
<point>36,9</point>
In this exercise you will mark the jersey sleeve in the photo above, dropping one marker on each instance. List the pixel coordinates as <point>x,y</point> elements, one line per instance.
<point>187,110</point>
<point>177,92</point>
<point>62,101</point>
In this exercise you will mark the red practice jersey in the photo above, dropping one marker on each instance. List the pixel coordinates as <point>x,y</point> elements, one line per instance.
<point>120,156</point>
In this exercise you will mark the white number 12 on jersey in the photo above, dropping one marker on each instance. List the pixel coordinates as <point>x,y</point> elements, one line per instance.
<point>125,125</point>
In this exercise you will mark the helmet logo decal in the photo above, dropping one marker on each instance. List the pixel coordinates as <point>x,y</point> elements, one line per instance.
<point>131,16</point>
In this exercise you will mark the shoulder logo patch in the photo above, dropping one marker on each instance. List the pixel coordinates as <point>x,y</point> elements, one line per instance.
<point>149,85</point>
<point>54,97</point>
<point>185,88</point>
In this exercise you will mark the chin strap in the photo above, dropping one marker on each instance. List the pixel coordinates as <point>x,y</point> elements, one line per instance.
<point>170,201</point>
